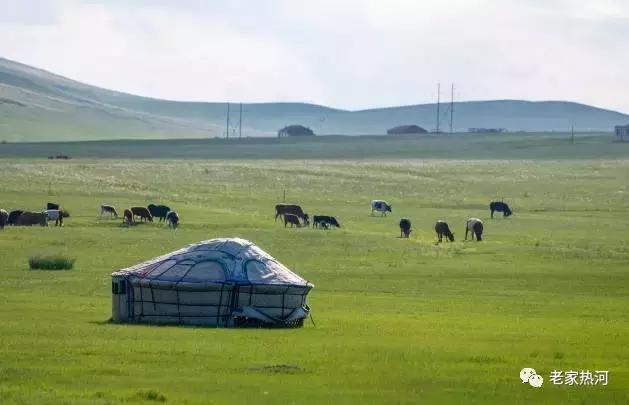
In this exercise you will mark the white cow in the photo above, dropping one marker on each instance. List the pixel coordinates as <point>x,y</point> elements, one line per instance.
<point>54,215</point>
<point>380,206</point>
<point>475,226</point>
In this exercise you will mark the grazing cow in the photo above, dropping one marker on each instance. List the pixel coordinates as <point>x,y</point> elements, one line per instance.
<point>173,219</point>
<point>54,215</point>
<point>143,213</point>
<point>4,216</point>
<point>292,220</point>
<point>475,226</point>
<point>500,207</point>
<point>13,217</point>
<point>290,209</point>
<point>28,218</point>
<point>324,221</point>
<point>159,211</point>
<point>127,217</point>
<point>442,229</point>
<point>108,209</point>
<point>52,206</point>
<point>380,206</point>
<point>405,228</point>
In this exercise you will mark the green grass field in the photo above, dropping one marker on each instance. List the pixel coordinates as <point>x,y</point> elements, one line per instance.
<point>458,146</point>
<point>397,321</point>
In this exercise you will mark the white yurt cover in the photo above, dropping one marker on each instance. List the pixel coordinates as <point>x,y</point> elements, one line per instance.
<point>217,282</point>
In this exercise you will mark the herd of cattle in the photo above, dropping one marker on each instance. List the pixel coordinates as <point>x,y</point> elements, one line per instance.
<point>27,218</point>
<point>53,212</point>
<point>295,216</point>
<point>291,214</point>
<point>142,214</point>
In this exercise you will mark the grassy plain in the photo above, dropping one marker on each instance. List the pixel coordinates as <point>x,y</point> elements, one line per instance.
<point>458,146</point>
<point>397,321</point>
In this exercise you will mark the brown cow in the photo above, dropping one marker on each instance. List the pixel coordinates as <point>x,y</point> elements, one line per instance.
<point>33,218</point>
<point>142,212</point>
<point>4,217</point>
<point>290,209</point>
<point>127,217</point>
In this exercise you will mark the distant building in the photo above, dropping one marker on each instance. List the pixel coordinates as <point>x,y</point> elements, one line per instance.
<point>622,132</point>
<point>295,130</point>
<point>486,130</point>
<point>406,129</point>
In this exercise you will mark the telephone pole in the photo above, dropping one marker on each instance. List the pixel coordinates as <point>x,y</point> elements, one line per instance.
<point>438,105</point>
<point>572,135</point>
<point>227,124</point>
<point>452,110</point>
<point>240,123</point>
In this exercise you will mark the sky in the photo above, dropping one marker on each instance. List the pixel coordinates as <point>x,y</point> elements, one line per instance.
<point>350,54</point>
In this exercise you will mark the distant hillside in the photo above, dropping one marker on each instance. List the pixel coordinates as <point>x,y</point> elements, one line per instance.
<point>36,105</point>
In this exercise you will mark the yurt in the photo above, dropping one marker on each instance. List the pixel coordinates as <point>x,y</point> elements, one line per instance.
<point>218,282</point>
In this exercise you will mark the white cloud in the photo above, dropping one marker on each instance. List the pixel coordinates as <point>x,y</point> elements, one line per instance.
<point>350,54</point>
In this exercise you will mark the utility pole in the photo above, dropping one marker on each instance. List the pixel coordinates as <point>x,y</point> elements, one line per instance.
<point>452,110</point>
<point>227,124</point>
<point>572,135</point>
<point>438,105</point>
<point>240,123</point>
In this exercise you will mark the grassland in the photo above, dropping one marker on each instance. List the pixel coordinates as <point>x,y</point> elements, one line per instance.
<point>397,321</point>
<point>459,146</point>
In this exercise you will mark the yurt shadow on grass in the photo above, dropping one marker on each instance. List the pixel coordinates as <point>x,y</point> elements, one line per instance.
<point>227,282</point>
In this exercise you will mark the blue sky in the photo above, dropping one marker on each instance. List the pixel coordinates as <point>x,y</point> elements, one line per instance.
<point>346,53</point>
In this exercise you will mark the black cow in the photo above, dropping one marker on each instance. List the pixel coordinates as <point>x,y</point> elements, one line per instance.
<point>159,211</point>
<point>500,207</point>
<point>442,229</point>
<point>4,216</point>
<point>173,219</point>
<point>324,221</point>
<point>405,228</point>
<point>291,219</point>
<point>13,217</point>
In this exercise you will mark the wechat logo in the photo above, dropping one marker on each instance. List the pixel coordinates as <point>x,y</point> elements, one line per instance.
<point>529,375</point>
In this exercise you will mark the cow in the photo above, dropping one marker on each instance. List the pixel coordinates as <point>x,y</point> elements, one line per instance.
<point>405,228</point>
<point>108,209</point>
<point>291,219</point>
<point>127,217</point>
<point>143,213</point>
<point>13,217</point>
<point>475,226</point>
<point>500,207</point>
<point>380,206</point>
<point>442,229</point>
<point>173,219</point>
<point>28,218</point>
<point>290,209</point>
<point>4,216</point>
<point>324,221</point>
<point>52,206</point>
<point>159,211</point>
<point>54,215</point>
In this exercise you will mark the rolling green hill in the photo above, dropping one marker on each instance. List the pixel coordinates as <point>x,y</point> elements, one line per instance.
<point>36,105</point>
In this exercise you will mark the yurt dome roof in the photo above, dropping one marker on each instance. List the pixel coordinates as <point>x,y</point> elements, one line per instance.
<point>231,260</point>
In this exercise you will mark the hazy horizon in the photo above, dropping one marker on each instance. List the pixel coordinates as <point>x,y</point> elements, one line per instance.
<point>350,55</point>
